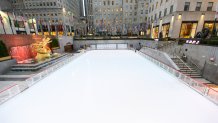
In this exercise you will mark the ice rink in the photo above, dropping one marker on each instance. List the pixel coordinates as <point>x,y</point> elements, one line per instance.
<point>109,87</point>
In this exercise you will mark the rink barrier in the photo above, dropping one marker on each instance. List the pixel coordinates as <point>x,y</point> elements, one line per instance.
<point>109,46</point>
<point>9,92</point>
<point>15,89</point>
<point>36,78</point>
<point>199,87</point>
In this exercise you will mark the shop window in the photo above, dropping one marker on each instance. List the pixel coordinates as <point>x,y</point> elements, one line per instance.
<point>155,32</point>
<point>165,30</point>
<point>210,25</point>
<point>188,30</point>
<point>148,32</point>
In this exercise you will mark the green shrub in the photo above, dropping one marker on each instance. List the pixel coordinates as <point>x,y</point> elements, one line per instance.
<point>3,50</point>
<point>54,43</point>
<point>212,42</point>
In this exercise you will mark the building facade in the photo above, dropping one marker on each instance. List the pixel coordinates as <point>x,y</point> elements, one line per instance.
<point>126,17</point>
<point>12,24</point>
<point>135,16</point>
<point>53,17</point>
<point>179,18</point>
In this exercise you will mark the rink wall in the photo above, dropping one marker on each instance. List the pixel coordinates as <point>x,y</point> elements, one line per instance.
<point>77,44</point>
<point>161,56</point>
<point>200,55</point>
<point>13,90</point>
<point>199,87</point>
<point>6,65</point>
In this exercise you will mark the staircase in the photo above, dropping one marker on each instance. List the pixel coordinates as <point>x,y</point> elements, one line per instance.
<point>186,69</point>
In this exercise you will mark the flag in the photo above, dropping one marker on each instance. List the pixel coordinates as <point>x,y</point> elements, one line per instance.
<point>9,19</point>
<point>1,19</point>
<point>16,21</point>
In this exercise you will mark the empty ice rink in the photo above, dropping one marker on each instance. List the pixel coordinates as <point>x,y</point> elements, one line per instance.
<point>109,86</point>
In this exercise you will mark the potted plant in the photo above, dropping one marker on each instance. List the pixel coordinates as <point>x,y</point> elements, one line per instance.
<point>55,44</point>
<point>3,52</point>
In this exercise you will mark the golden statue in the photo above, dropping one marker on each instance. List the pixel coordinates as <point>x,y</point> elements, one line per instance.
<point>42,50</point>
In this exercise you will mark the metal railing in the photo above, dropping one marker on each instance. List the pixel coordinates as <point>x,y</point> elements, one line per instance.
<point>15,89</point>
<point>199,87</point>
<point>189,70</point>
<point>9,92</point>
<point>191,62</point>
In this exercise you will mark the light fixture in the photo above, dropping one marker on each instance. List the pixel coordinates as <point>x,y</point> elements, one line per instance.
<point>180,16</point>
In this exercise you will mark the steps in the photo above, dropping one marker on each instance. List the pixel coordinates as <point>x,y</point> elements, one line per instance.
<point>38,66</point>
<point>186,69</point>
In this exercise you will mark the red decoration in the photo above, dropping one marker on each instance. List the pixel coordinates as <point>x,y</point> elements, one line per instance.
<point>22,53</point>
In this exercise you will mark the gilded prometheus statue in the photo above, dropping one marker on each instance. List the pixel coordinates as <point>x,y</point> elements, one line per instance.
<point>42,50</point>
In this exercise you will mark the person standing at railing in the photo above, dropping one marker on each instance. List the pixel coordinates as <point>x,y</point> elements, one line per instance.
<point>184,57</point>
<point>139,47</point>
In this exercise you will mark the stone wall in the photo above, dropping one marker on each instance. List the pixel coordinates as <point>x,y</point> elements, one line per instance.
<point>63,41</point>
<point>19,40</point>
<point>6,65</point>
<point>160,56</point>
<point>200,55</point>
<point>135,43</point>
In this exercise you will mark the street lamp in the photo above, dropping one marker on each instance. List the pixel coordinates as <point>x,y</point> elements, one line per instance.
<point>64,13</point>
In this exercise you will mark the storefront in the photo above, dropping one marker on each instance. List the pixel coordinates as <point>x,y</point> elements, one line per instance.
<point>20,26</point>
<point>31,24</point>
<point>148,32</point>
<point>155,32</point>
<point>165,30</point>
<point>209,25</point>
<point>188,29</point>
<point>53,30</point>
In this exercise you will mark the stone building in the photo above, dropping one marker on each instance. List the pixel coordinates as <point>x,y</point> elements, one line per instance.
<point>120,16</point>
<point>53,17</point>
<point>179,18</point>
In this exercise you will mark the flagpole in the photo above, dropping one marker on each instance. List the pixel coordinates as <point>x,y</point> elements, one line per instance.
<point>214,24</point>
<point>33,25</point>
<point>9,19</point>
<point>16,22</point>
<point>24,23</point>
<point>1,18</point>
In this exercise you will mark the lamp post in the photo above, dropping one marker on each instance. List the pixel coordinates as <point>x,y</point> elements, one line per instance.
<point>64,13</point>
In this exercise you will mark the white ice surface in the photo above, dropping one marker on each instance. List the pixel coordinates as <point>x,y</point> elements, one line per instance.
<point>109,87</point>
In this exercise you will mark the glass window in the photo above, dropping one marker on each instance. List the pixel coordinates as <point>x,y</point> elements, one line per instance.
<point>171,9</point>
<point>198,6</point>
<point>165,12</point>
<point>210,25</point>
<point>210,6</point>
<point>155,32</point>
<point>188,30</point>
<point>160,14</point>
<point>165,30</point>
<point>187,5</point>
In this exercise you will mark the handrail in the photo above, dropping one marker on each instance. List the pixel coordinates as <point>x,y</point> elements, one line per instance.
<point>180,72</point>
<point>196,85</point>
<point>7,88</point>
<point>185,65</point>
<point>192,63</point>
